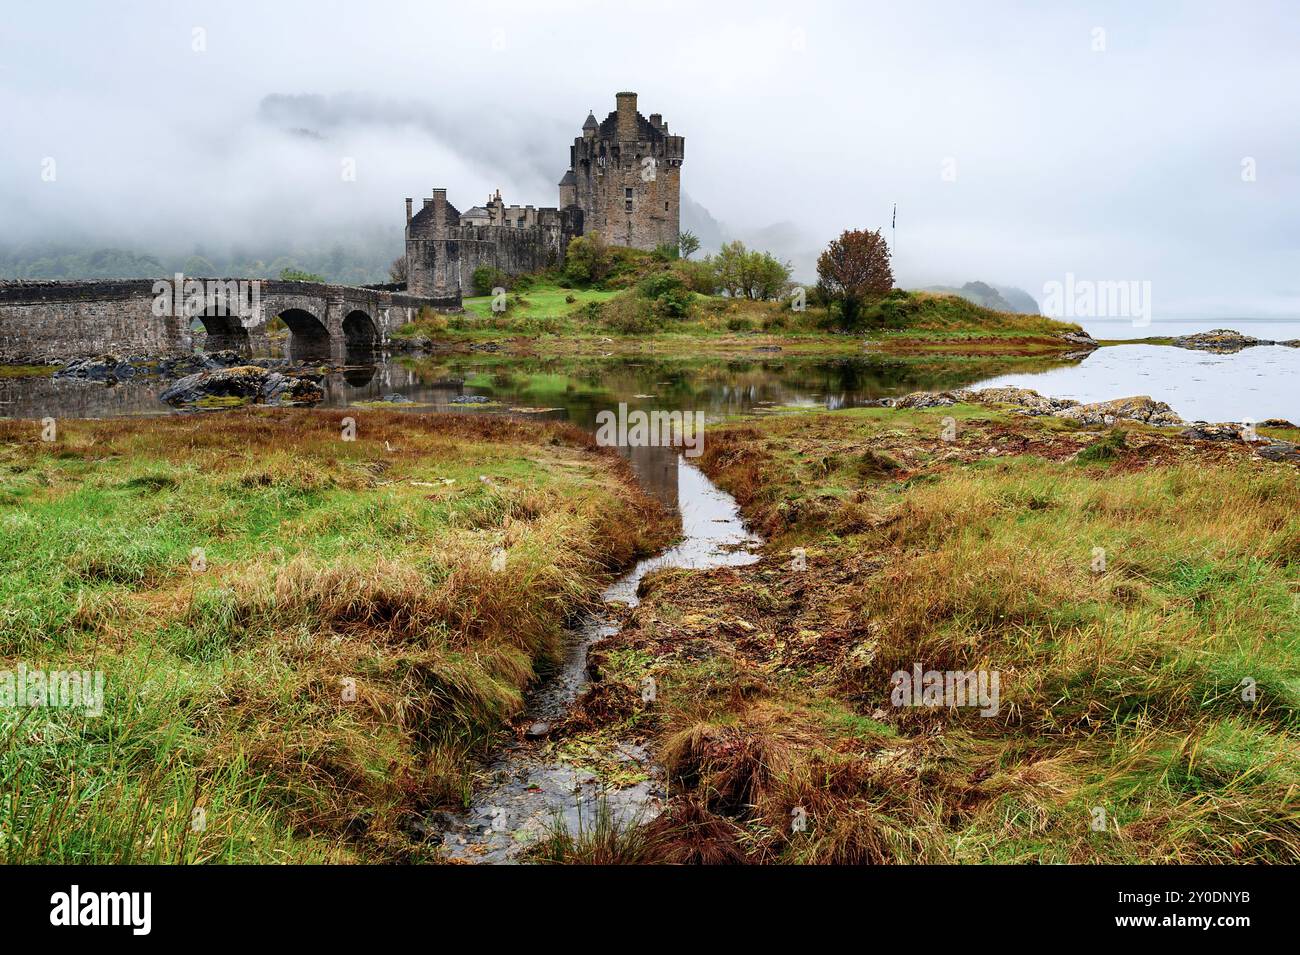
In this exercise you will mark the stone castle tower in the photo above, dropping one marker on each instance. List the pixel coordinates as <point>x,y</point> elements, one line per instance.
<point>625,176</point>
<point>624,182</point>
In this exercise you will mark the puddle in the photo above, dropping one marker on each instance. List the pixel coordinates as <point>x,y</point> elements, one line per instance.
<point>528,789</point>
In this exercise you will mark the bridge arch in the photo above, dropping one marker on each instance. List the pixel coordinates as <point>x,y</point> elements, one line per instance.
<point>359,329</point>
<point>225,329</point>
<point>308,336</point>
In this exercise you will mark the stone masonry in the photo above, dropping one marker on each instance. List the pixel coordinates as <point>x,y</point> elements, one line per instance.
<point>41,321</point>
<point>623,183</point>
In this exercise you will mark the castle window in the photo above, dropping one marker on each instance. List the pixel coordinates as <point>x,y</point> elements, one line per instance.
<point>627,198</point>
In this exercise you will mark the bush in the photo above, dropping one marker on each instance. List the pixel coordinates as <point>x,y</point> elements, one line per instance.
<point>631,315</point>
<point>671,297</point>
<point>486,278</point>
<point>699,276</point>
<point>739,323</point>
<point>587,260</point>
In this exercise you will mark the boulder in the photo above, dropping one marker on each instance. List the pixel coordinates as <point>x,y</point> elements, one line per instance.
<point>469,399</point>
<point>1080,338</point>
<point>1202,431</point>
<point>249,383</point>
<point>922,399</point>
<point>1026,399</point>
<point>1276,423</point>
<point>1280,451</point>
<point>1140,408</point>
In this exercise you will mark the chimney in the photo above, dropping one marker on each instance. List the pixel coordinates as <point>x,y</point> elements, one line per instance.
<point>408,211</point>
<point>627,131</point>
<point>656,120</point>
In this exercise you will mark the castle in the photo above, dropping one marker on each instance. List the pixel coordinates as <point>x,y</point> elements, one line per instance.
<point>623,183</point>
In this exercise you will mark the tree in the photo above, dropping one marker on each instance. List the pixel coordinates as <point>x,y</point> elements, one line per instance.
<point>688,243</point>
<point>397,271</point>
<point>298,275</point>
<point>853,269</point>
<point>742,273</point>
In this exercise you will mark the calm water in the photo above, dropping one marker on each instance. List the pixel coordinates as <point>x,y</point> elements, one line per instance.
<point>1255,383</point>
<point>1269,329</point>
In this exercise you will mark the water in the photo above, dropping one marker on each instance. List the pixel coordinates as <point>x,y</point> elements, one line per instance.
<point>529,789</point>
<point>1269,329</point>
<point>1255,383</point>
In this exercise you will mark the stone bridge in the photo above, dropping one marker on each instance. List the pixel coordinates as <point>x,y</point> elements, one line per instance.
<point>40,321</point>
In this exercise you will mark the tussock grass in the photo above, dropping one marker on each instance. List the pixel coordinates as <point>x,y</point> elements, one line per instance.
<point>343,655</point>
<point>1123,687</point>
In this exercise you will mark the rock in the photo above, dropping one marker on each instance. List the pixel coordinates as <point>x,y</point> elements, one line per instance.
<point>767,348</point>
<point>1140,408</point>
<point>109,369</point>
<point>247,382</point>
<point>413,343</point>
<point>1080,338</point>
<point>1290,343</point>
<point>922,399</point>
<point>468,399</point>
<point>537,730</point>
<point>1222,341</point>
<point>485,346</point>
<point>1201,431</point>
<point>1280,451</point>
<point>1276,423</point>
<point>1026,399</point>
<point>396,399</point>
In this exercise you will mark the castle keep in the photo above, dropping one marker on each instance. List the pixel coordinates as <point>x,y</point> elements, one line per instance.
<point>623,183</point>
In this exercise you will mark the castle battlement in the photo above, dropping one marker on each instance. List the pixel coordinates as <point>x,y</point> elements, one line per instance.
<point>623,182</point>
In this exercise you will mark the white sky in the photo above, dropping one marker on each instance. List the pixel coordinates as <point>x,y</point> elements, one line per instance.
<point>1119,164</point>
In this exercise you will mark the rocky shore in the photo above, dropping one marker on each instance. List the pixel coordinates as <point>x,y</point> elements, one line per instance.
<point>1140,409</point>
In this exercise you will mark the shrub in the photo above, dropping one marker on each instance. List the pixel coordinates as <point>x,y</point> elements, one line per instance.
<point>631,315</point>
<point>486,278</point>
<point>699,276</point>
<point>587,260</point>
<point>671,297</point>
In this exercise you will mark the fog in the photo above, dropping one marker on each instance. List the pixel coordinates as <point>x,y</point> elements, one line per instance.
<point>1020,142</point>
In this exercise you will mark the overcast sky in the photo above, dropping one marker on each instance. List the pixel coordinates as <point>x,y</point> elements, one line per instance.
<point>1124,162</point>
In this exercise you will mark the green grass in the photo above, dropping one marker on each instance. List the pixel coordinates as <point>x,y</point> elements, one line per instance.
<point>325,560</point>
<point>908,321</point>
<point>1123,687</point>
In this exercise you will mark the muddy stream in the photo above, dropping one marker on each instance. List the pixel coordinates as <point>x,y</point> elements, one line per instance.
<point>529,789</point>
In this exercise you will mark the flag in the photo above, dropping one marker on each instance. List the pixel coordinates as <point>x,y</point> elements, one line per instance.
<point>894,223</point>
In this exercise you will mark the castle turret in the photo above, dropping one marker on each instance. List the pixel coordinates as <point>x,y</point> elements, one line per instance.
<point>626,109</point>
<point>627,178</point>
